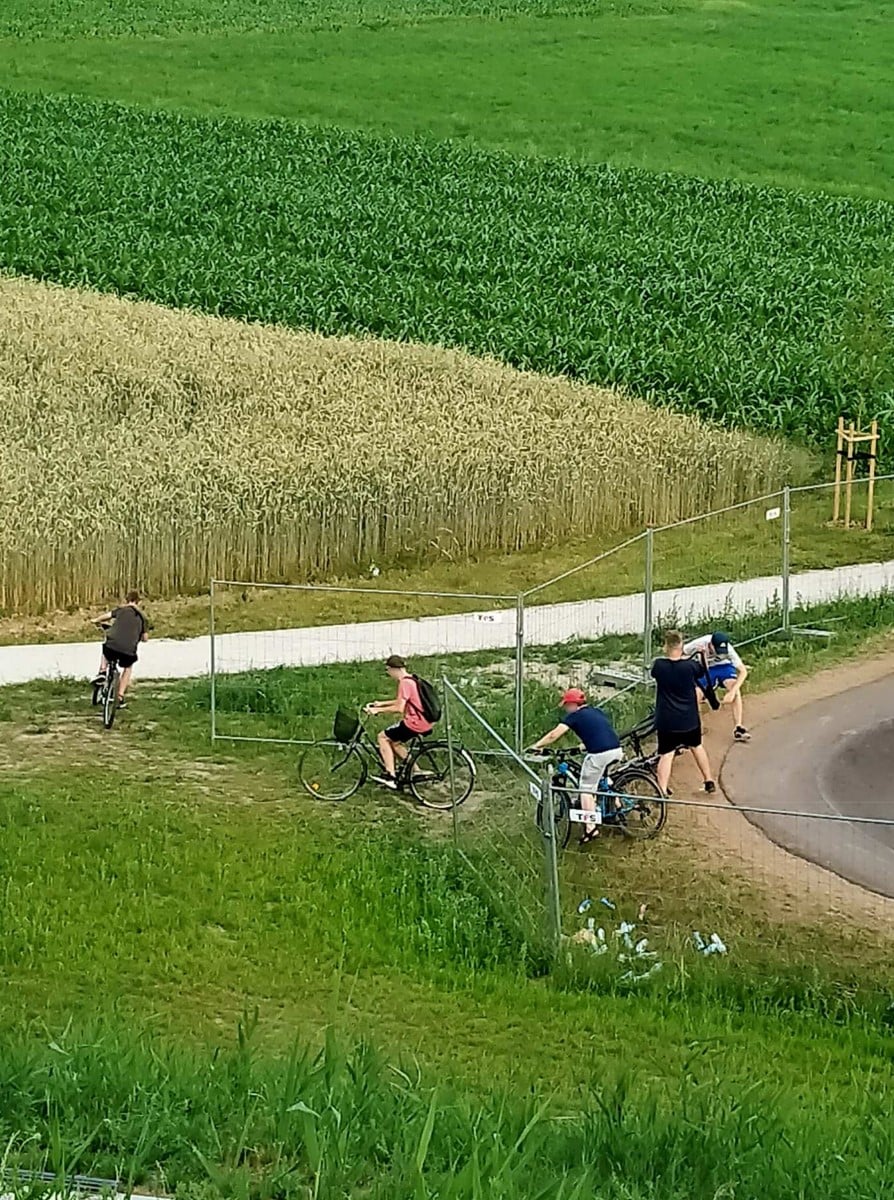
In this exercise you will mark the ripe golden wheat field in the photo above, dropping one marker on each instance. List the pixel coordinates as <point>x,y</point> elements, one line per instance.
<point>161,447</point>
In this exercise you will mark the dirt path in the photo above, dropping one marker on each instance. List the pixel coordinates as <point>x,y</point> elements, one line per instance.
<point>798,733</point>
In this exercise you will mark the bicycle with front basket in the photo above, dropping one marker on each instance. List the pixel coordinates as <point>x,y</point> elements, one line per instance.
<point>436,773</point>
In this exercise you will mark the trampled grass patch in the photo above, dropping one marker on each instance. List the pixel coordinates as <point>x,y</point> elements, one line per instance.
<point>749,306</point>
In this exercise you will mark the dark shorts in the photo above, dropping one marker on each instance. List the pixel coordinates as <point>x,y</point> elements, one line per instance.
<point>688,739</point>
<point>400,733</point>
<point>111,655</point>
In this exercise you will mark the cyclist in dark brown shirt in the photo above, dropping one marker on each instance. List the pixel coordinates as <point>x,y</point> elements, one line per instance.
<point>122,642</point>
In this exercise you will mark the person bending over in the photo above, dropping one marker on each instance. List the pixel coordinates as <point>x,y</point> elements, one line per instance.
<point>726,669</point>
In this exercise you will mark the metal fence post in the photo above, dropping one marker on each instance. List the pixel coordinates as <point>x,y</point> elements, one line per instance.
<point>211,665</point>
<point>553,898</point>
<point>445,690</point>
<point>786,557</point>
<point>648,615</point>
<point>519,673</point>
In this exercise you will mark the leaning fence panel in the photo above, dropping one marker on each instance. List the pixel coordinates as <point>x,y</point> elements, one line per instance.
<point>585,629</point>
<point>497,829</point>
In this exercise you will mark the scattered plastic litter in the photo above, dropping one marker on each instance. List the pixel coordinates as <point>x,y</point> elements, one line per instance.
<point>713,946</point>
<point>641,915</point>
<point>623,933</point>
<point>632,977</point>
<point>607,903</point>
<point>374,571</point>
<point>584,905</point>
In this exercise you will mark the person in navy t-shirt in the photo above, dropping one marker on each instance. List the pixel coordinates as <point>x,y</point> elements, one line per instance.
<point>598,738</point>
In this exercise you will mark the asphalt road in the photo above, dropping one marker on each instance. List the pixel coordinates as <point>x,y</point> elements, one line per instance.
<point>833,758</point>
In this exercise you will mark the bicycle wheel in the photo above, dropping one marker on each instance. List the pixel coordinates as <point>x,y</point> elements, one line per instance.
<point>561,818</point>
<point>110,698</point>
<point>643,810</point>
<point>431,780</point>
<point>332,771</point>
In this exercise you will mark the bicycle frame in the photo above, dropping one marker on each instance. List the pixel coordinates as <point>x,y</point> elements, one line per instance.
<point>363,744</point>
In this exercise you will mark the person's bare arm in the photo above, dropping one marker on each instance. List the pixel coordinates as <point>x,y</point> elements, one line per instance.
<point>553,736</point>
<point>102,620</point>
<point>397,705</point>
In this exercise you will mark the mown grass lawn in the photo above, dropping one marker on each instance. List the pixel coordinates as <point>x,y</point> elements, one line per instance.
<point>777,91</point>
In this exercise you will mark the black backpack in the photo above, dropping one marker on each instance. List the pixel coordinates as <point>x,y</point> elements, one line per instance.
<point>428,698</point>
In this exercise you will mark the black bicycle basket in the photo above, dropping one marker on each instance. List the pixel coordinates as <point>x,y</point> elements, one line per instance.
<point>346,726</point>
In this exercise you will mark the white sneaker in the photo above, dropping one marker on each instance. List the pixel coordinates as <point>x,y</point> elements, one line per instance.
<point>387,781</point>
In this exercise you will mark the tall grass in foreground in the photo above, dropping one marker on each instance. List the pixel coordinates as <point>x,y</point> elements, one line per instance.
<point>345,1122</point>
<point>139,444</point>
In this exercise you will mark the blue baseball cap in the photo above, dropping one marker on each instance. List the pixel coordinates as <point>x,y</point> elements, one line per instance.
<point>720,641</point>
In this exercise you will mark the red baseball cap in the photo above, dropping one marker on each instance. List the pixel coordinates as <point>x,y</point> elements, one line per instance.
<point>574,696</point>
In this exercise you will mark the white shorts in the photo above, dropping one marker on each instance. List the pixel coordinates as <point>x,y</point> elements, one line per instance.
<point>594,767</point>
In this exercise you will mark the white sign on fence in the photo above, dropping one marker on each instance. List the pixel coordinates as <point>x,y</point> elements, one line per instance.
<point>535,791</point>
<point>773,514</point>
<point>585,816</point>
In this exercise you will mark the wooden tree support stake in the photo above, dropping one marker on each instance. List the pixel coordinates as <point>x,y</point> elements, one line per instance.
<point>846,452</point>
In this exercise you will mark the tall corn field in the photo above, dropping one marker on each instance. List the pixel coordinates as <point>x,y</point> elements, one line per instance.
<point>145,446</point>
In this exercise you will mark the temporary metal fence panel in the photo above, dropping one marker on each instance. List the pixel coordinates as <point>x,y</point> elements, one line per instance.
<point>283,683</point>
<point>497,829</point>
<point>756,569</point>
<point>724,569</point>
<point>595,643</point>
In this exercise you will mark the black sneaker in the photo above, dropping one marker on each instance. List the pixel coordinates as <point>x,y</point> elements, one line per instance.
<point>710,787</point>
<point>387,781</point>
<point>122,704</point>
<point>741,734</point>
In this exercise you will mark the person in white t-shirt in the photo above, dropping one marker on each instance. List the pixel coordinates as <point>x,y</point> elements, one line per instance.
<point>726,670</point>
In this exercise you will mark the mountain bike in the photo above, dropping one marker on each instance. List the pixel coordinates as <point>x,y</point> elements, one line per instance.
<point>106,694</point>
<point>629,800</point>
<point>436,774</point>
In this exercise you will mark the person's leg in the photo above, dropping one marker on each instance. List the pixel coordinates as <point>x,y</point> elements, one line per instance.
<point>736,701</point>
<point>663,770</point>
<point>103,667</point>
<point>386,750</point>
<point>700,754</point>
<point>124,681</point>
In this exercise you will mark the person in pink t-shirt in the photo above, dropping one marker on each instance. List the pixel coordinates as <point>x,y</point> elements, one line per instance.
<point>408,706</point>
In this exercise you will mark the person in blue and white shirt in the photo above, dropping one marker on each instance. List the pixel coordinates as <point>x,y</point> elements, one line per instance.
<point>726,670</point>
